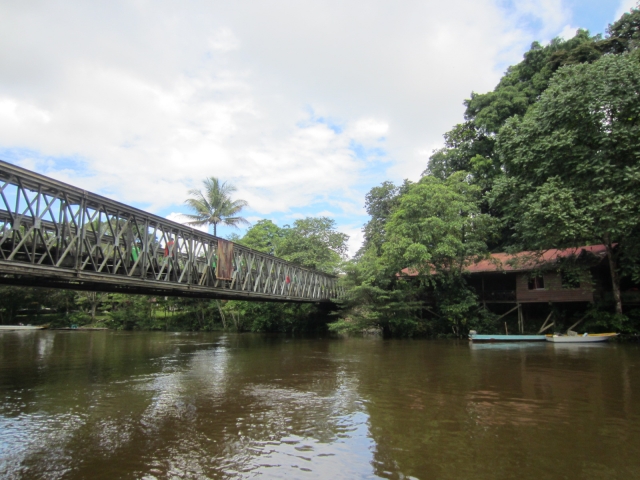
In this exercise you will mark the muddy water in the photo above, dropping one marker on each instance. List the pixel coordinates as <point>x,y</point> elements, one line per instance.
<point>153,405</point>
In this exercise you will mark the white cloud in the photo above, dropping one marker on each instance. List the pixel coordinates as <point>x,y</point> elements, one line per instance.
<point>323,213</point>
<point>356,237</point>
<point>551,14</point>
<point>625,6</point>
<point>224,40</point>
<point>180,218</point>
<point>568,32</point>
<point>150,98</point>
<point>369,128</point>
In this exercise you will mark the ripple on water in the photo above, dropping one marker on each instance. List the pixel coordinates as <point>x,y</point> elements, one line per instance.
<point>33,445</point>
<point>344,456</point>
<point>140,406</point>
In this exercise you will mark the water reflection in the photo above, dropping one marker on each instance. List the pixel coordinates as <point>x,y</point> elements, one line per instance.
<point>122,405</point>
<point>579,349</point>
<point>506,345</point>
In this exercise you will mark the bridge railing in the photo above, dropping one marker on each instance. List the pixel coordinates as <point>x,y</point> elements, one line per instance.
<point>52,230</point>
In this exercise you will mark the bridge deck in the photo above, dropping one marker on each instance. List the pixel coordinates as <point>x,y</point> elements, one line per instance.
<point>56,235</point>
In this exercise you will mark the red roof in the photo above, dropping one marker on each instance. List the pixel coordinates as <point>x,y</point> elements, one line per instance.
<point>524,261</point>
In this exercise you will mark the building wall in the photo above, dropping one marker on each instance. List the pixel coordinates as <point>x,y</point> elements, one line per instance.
<point>553,291</point>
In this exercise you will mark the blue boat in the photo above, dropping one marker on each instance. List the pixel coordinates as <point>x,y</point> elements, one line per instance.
<point>475,337</point>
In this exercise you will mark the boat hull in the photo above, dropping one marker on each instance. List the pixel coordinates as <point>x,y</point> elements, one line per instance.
<point>11,328</point>
<point>507,338</point>
<point>595,338</point>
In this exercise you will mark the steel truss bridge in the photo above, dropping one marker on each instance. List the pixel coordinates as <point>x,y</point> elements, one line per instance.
<point>55,235</point>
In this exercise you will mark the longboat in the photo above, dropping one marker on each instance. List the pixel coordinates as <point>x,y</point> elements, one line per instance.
<point>21,327</point>
<point>476,337</point>
<point>584,338</point>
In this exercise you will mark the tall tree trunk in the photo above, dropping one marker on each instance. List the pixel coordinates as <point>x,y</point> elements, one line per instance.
<point>237,321</point>
<point>224,322</point>
<point>92,297</point>
<point>615,278</point>
<point>201,314</point>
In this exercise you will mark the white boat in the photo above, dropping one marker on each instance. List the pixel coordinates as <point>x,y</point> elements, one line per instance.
<point>585,338</point>
<point>21,327</point>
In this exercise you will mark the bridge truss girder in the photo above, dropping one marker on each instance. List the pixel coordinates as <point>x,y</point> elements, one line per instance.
<point>55,235</point>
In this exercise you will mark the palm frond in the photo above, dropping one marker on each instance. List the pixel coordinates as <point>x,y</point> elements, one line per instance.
<point>235,221</point>
<point>215,205</point>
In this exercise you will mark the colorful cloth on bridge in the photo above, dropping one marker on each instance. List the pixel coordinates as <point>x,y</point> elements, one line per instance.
<point>169,249</point>
<point>224,268</point>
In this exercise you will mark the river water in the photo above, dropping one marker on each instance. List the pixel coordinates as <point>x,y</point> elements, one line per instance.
<point>79,405</point>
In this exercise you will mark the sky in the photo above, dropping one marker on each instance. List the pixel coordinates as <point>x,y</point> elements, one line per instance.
<point>303,105</point>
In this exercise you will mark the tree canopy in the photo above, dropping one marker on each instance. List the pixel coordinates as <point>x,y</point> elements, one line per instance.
<point>573,160</point>
<point>548,159</point>
<point>437,226</point>
<point>215,206</point>
<point>470,146</point>
<point>312,242</point>
<point>264,236</point>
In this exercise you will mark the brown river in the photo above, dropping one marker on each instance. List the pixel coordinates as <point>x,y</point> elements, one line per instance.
<point>93,405</point>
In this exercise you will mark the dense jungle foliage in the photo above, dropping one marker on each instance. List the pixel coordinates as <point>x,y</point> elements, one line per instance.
<point>549,159</point>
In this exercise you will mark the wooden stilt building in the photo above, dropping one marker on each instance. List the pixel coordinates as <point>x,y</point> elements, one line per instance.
<point>529,283</point>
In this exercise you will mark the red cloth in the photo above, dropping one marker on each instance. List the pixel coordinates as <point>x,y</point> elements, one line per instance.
<point>169,248</point>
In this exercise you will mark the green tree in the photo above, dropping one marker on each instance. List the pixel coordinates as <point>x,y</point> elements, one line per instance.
<point>437,227</point>
<point>92,300</point>
<point>462,144</point>
<point>573,162</point>
<point>470,146</point>
<point>624,34</point>
<point>310,242</point>
<point>13,299</point>
<point>379,204</point>
<point>377,300</point>
<point>433,227</point>
<point>315,243</point>
<point>215,206</point>
<point>263,236</point>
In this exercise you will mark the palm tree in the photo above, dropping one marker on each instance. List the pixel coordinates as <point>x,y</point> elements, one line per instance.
<point>215,205</point>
